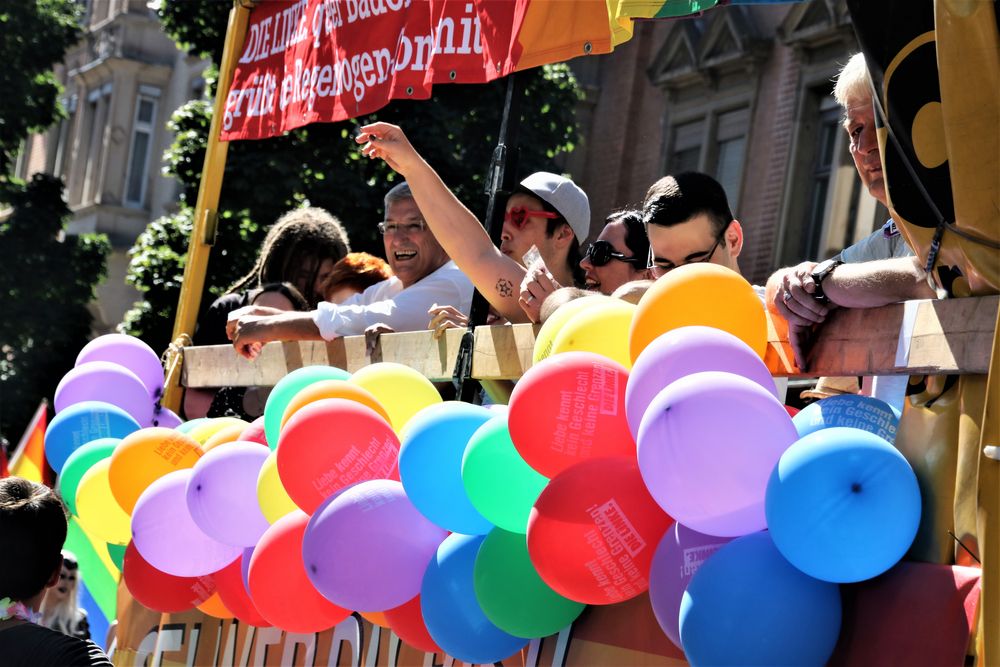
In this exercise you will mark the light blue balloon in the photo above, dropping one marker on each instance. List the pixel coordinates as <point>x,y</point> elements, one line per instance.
<point>448,603</point>
<point>192,424</point>
<point>433,443</point>
<point>81,423</point>
<point>843,505</point>
<point>850,410</point>
<point>747,605</point>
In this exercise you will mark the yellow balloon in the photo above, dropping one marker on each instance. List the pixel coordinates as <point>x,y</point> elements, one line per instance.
<point>203,432</point>
<point>602,328</point>
<point>700,294</point>
<point>143,457</point>
<point>547,334</point>
<point>100,514</point>
<point>271,495</point>
<point>229,433</point>
<point>402,391</point>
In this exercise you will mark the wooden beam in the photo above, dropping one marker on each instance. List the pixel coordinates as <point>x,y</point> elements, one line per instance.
<point>938,337</point>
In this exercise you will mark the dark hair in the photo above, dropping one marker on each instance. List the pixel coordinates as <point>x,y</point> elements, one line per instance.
<point>359,271</point>
<point>286,290</point>
<point>574,254</point>
<point>635,232</point>
<point>33,526</point>
<point>299,239</point>
<point>676,199</point>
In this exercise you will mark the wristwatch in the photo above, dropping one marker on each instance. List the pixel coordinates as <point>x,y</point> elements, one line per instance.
<point>821,273</point>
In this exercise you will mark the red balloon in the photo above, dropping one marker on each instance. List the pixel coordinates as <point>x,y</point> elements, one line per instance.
<point>254,432</point>
<point>160,591</point>
<point>407,622</point>
<point>229,585</point>
<point>570,408</point>
<point>333,443</point>
<point>593,531</point>
<point>792,411</point>
<point>279,587</point>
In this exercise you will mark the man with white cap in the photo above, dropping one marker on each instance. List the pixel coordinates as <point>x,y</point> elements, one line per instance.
<point>546,211</point>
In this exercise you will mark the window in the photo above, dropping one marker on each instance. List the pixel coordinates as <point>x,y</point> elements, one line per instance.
<point>719,152</point>
<point>142,145</point>
<point>827,132</point>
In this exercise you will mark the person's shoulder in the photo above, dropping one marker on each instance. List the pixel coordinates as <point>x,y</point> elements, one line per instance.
<point>228,302</point>
<point>34,645</point>
<point>450,271</point>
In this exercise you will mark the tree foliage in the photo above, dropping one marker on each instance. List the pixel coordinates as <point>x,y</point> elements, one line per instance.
<point>48,281</point>
<point>456,130</point>
<point>36,34</point>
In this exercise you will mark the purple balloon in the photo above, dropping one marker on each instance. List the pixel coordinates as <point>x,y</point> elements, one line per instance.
<point>166,418</point>
<point>131,353</point>
<point>684,351</point>
<point>367,548</point>
<point>245,567</point>
<point>679,555</point>
<point>168,538</point>
<point>707,446</point>
<point>222,493</point>
<point>107,382</point>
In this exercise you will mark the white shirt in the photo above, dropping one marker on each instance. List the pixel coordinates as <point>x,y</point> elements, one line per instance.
<point>388,302</point>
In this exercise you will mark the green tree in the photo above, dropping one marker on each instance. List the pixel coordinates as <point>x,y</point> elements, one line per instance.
<point>48,281</point>
<point>320,164</point>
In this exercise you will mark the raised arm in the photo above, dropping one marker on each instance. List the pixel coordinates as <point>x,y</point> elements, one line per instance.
<point>458,231</point>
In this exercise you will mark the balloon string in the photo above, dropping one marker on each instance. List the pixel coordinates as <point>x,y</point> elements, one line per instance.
<point>954,537</point>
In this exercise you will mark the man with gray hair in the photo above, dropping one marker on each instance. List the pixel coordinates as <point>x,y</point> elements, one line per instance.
<point>424,276</point>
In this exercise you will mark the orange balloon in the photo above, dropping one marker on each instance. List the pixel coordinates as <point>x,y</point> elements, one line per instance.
<point>700,294</point>
<point>333,389</point>
<point>143,457</point>
<point>375,618</point>
<point>214,607</point>
<point>230,433</point>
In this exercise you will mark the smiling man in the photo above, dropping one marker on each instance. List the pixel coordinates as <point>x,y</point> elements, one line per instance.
<point>423,277</point>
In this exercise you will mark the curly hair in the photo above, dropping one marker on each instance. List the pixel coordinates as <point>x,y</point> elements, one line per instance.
<point>359,271</point>
<point>293,250</point>
<point>33,525</point>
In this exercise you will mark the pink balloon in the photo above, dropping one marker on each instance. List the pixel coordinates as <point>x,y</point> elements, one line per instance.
<point>107,382</point>
<point>683,351</point>
<point>707,446</point>
<point>679,555</point>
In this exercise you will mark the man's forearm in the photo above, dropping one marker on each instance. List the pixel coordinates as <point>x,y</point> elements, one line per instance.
<point>873,284</point>
<point>287,326</point>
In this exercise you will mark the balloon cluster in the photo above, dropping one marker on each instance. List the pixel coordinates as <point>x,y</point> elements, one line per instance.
<point>471,530</point>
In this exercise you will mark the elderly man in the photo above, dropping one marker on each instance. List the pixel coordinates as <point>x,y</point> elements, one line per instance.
<point>423,277</point>
<point>547,211</point>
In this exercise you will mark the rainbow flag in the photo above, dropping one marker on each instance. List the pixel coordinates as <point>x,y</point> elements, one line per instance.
<point>28,459</point>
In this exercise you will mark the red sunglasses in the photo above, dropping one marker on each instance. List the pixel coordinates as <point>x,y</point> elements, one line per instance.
<point>518,215</point>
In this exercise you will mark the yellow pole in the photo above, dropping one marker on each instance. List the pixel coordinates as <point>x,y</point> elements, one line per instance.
<point>988,520</point>
<point>205,216</point>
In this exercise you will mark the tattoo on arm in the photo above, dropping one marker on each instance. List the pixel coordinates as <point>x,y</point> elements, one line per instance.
<point>505,287</point>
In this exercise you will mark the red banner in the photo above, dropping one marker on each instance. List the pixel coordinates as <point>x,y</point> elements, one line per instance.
<point>329,60</point>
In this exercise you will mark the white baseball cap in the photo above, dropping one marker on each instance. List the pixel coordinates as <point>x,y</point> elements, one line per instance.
<point>564,196</point>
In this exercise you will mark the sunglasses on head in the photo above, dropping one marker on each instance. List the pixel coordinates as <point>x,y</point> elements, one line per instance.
<point>518,215</point>
<point>601,252</point>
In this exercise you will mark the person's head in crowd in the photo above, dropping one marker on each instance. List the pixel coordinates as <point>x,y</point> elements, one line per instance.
<point>60,606</point>
<point>354,274</point>
<point>619,254</point>
<point>560,297</point>
<point>33,527</point>
<point>632,291</point>
<point>688,220</point>
<point>551,213</point>
<point>410,247</point>
<point>300,248</point>
<point>282,296</point>
<point>853,93</point>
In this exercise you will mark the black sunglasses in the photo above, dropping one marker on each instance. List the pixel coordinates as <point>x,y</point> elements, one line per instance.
<point>601,252</point>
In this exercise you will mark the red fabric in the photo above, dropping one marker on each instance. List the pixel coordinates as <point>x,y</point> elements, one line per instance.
<point>917,614</point>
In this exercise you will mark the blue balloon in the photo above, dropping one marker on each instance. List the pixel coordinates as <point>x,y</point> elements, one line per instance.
<point>863,412</point>
<point>747,605</point>
<point>81,423</point>
<point>842,505</point>
<point>453,617</point>
<point>430,465</point>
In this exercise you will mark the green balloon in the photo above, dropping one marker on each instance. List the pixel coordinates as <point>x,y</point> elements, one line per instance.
<point>500,484</point>
<point>511,593</point>
<point>117,553</point>
<point>285,391</point>
<point>79,462</point>
<point>189,426</point>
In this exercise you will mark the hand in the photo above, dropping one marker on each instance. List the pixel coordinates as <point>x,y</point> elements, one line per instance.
<point>446,317</point>
<point>790,295</point>
<point>537,285</point>
<point>801,340</point>
<point>259,311</point>
<point>372,333</point>
<point>382,140</point>
<point>249,333</point>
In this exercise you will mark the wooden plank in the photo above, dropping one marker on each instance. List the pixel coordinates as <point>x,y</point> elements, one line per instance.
<point>950,336</point>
